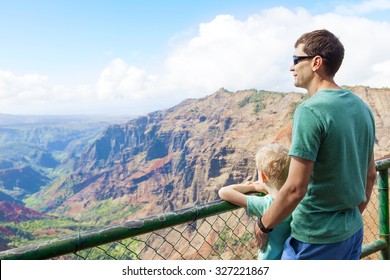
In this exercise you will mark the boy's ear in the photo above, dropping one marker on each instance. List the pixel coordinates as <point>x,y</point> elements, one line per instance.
<point>265,180</point>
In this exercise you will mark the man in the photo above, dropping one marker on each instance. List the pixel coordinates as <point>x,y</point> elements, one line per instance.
<point>332,169</point>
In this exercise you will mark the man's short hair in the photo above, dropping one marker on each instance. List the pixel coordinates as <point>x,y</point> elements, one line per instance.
<point>325,44</point>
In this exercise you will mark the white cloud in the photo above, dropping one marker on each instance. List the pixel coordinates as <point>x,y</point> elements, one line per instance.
<point>119,80</point>
<point>26,86</point>
<point>225,52</point>
<point>33,94</point>
<point>238,54</point>
<point>256,53</point>
<point>380,74</point>
<point>363,8</point>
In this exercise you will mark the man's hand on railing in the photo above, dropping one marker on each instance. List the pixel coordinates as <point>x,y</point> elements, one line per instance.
<point>261,238</point>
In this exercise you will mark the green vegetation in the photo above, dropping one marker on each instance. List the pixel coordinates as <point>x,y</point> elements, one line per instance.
<point>254,98</point>
<point>57,192</point>
<point>225,237</point>
<point>257,99</point>
<point>105,211</point>
<point>124,250</point>
<point>101,213</point>
<point>37,151</point>
<point>30,232</point>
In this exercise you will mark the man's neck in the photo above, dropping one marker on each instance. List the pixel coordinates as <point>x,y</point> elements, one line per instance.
<point>324,84</point>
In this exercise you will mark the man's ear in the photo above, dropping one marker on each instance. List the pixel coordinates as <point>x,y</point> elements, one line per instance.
<point>317,63</point>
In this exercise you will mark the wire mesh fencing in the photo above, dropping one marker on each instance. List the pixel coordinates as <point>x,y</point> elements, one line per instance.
<point>371,224</point>
<point>227,236</point>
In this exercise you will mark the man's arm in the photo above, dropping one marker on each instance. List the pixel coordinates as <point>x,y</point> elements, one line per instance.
<point>289,196</point>
<point>292,192</point>
<point>371,177</point>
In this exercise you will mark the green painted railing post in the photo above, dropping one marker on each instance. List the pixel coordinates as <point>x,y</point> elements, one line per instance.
<point>383,198</point>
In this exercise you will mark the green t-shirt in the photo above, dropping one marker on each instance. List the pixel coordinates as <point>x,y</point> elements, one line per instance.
<point>256,206</point>
<point>336,130</point>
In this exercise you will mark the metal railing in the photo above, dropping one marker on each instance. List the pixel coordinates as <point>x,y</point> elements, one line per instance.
<point>216,230</point>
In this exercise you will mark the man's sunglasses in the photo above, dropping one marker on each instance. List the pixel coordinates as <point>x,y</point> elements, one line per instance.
<point>298,59</point>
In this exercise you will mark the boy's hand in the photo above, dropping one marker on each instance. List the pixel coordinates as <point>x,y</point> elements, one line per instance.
<point>260,187</point>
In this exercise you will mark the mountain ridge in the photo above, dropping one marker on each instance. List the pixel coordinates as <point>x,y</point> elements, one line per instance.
<point>181,156</point>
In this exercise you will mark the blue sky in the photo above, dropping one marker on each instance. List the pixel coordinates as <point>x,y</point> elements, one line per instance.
<point>133,57</point>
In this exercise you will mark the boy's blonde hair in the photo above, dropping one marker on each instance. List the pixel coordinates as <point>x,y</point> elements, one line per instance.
<point>273,162</point>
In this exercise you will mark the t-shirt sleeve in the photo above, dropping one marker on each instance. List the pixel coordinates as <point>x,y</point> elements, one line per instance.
<point>256,206</point>
<point>306,134</point>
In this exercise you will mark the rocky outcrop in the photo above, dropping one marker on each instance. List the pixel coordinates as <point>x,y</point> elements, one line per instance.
<point>379,102</point>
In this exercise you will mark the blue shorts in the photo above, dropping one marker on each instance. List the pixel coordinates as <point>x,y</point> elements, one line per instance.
<point>349,249</point>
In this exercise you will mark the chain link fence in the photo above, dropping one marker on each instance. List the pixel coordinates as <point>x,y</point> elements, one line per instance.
<point>227,236</point>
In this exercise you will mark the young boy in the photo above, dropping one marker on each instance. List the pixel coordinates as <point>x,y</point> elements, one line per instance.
<point>272,162</point>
